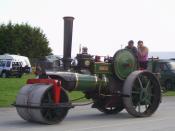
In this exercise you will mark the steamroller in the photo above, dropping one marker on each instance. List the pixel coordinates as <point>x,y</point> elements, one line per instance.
<point>112,84</point>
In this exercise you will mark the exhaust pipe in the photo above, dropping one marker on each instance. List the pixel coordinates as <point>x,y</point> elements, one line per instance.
<point>68,28</point>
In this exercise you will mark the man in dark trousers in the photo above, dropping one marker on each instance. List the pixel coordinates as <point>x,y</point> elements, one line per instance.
<point>132,48</point>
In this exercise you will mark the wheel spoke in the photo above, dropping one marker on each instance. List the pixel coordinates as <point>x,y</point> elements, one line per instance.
<point>135,92</point>
<point>149,94</point>
<point>149,88</point>
<point>147,85</point>
<point>140,82</point>
<point>139,109</point>
<point>146,106</point>
<point>147,101</point>
<point>49,98</point>
<point>47,113</point>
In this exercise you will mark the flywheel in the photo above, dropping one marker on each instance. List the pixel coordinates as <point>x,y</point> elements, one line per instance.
<point>124,62</point>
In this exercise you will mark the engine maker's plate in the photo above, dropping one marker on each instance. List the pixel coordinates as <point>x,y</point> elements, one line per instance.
<point>124,62</point>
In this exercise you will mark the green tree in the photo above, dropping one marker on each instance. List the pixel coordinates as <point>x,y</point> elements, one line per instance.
<point>24,40</point>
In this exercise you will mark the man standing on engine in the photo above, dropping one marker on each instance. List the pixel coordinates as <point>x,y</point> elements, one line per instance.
<point>142,55</point>
<point>132,48</point>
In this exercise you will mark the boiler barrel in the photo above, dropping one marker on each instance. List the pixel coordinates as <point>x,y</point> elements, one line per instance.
<point>79,82</point>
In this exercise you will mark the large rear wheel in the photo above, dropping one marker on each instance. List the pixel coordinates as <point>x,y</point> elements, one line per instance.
<point>142,93</point>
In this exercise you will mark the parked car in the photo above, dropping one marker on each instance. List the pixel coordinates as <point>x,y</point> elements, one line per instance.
<point>166,68</point>
<point>10,68</point>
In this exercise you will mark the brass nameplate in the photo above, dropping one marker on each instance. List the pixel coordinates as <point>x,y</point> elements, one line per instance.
<point>103,68</point>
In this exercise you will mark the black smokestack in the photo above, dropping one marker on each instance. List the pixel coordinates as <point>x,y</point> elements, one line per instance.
<point>68,27</point>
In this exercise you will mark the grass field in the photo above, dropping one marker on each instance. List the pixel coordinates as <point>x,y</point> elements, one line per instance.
<point>169,93</point>
<point>9,88</point>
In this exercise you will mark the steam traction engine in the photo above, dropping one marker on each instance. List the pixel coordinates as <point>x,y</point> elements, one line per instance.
<point>113,85</point>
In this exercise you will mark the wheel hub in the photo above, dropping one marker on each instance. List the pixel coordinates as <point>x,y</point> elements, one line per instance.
<point>145,96</point>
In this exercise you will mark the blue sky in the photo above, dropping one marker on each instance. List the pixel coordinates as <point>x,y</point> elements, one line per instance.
<point>104,26</point>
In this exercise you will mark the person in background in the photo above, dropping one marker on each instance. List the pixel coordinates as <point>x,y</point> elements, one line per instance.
<point>132,48</point>
<point>142,55</point>
<point>97,58</point>
<point>84,50</point>
<point>40,71</point>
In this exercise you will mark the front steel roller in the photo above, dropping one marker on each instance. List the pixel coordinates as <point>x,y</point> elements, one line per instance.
<point>142,93</point>
<point>39,95</point>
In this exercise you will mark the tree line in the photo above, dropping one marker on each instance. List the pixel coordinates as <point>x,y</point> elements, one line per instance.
<point>23,39</point>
